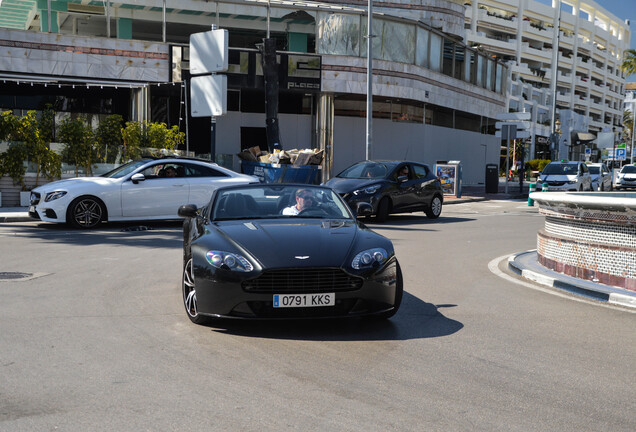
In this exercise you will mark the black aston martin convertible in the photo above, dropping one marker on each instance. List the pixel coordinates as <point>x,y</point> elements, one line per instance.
<point>274,251</point>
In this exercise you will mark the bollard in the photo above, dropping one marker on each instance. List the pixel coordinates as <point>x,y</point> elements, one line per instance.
<point>531,189</point>
<point>546,187</point>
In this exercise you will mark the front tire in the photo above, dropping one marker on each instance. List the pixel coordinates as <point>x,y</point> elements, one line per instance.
<point>85,212</point>
<point>435,209</point>
<point>190,294</point>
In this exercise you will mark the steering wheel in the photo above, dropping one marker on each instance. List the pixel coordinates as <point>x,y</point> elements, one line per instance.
<point>312,211</point>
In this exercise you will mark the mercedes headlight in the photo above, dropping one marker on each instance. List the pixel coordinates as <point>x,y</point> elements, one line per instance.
<point>52,196</point>
<point>229,261</point>
<point>369,258</point>
<point>369,190</point>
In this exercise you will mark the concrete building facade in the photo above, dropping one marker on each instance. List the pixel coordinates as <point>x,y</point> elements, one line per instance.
<point>572,49</point>
<point>434,97</point>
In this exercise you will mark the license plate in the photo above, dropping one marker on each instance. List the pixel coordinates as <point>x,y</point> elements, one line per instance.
<point>304,300</point>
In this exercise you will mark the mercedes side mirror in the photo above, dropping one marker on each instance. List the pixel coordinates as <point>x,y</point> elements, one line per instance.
<point>136,178</point>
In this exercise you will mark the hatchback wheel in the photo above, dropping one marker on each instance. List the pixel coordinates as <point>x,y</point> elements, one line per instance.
<point>190,294</point>
<point>435,209</point>
<point>383,210</point>
<point>85,212</point>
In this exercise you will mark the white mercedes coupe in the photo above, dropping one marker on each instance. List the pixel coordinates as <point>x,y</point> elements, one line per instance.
<point>147,189</point>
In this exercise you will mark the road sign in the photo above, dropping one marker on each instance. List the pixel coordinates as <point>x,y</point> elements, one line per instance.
<point>518,135</point>
<point>208,95</point>
<point>514,116</point>
<point>209,52</point>
<point>621,154</point>
<point>521,125</point>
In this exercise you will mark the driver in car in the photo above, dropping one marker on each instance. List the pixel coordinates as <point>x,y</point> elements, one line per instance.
<point>304,200</point>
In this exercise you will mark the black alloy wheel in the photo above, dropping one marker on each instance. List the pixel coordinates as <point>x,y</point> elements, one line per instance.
<point>190,294</point>
<point>435,209</point>
<point>85,212</point>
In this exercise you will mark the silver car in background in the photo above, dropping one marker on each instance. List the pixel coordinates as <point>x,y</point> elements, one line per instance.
<point>566,176</point>
<point>601,177</point>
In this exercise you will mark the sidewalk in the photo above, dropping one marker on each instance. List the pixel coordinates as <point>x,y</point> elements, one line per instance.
<point>14,214</point>
<point>527,265</point>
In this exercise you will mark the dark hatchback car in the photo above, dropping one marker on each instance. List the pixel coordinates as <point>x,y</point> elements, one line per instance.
<point>274,251</point>
<point>390,187</point>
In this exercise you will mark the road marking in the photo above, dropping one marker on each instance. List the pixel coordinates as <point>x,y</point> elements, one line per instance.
<point>493,266</point>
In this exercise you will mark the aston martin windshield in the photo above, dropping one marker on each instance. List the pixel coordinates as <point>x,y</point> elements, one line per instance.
<point>368,169</point>
<point>278,201</point>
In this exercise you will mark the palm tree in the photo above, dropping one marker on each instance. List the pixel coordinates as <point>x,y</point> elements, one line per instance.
<point>629,62</point>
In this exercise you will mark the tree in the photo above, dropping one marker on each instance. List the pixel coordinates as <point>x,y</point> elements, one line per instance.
<point>78,136</point>
<point>29,145</point>
<point>628,121</point>
<point>108,138</point>
<point>629,62</point>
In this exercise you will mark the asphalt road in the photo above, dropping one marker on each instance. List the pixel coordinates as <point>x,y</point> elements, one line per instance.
<point>97,340</point>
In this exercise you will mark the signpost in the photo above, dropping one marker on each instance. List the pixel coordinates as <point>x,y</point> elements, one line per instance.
<point>208,91</point>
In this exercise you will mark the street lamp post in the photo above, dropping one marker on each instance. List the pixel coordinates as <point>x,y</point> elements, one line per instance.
<point>555,69</point>
<point>369,140</point>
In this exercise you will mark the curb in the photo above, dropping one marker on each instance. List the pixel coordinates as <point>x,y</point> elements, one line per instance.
<point>600,294</point>
<point>16,219</point>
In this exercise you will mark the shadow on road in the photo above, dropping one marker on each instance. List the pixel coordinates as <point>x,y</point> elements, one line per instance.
<point>411,222</point>
<point>416,319</point>
<point>139,234</point>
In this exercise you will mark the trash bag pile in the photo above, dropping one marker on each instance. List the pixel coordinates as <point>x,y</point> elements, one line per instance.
<point>291,157</point>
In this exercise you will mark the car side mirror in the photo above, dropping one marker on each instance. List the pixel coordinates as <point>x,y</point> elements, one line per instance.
<point>188,211</point>
<point>363,209</point>
<point>136,178</point>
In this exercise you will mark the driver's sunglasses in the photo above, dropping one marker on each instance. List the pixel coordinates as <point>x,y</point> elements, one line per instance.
<point>306,197</point>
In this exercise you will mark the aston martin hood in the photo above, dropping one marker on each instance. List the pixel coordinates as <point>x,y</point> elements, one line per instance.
<point>309,243</point>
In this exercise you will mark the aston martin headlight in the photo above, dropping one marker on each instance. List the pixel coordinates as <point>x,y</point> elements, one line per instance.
<point>369,190</point>
<point>52,196</point>
<point>369,258</point>
<point>229,261</point>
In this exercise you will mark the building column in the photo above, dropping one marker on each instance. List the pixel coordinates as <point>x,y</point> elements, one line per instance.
<point>140,104</point>
<point>324,119</point>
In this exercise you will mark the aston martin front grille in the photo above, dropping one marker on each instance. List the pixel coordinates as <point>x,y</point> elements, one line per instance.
<point>303,281</point>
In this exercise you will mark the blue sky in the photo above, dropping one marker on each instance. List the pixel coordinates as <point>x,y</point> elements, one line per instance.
<point>623,9</point>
